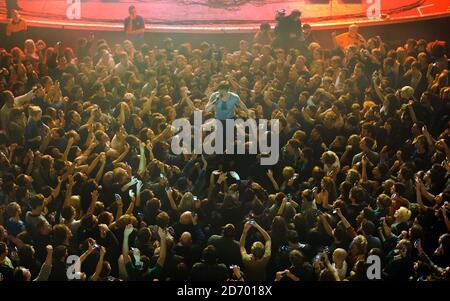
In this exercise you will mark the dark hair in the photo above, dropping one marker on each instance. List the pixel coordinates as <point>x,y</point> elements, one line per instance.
<point>264,26</point>
<point>36,201</point>
<point>209,254</point>
<point>368,227</point>
<point>224,85</point>
<point>59,253</point>
<point>229,231</point>
<point>162,219</point>
<point>60,234</point>
<point>3,247</point>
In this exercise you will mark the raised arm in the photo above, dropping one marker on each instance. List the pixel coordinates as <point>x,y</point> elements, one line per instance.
<point>162,247</point>
<point>142,159</point>
<point>326,224</point>
<point>131,206</point>
<point>127,186</point>
<point>272,180</point>
<point>94,198</point>
<point>282,207</point>
<point>345,222</point>
<point>419,194</point>
<point>99,267</point>
<point>330,268</point>
<point>69,187</point>
<point>122,155</point>
<point>93,165</point>
<point>119,212</point>
<point>264,233</point>
<point>88,252</point>
<point>46,267</point>
<point>125,249</point>
<point>243,239</point>
<point>100,171</point>
<point>69,145</point>
<point>212,100</point>
<point>364,178</point>
<point>172,203</point>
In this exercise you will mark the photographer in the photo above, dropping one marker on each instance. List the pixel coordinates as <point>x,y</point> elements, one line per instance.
<point>288,31</point>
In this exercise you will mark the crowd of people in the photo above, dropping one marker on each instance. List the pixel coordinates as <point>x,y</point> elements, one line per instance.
<point>87,170</point>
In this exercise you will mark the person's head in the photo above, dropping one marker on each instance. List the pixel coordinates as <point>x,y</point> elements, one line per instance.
<point>15,15</point>
<point>257,250</point>
<point>339,256</point>
<point>442,250</point>
<point>264,27</point>
<point>229,231</point>
<point>26,253</point>
<point>162,220</point>
<point>357,195</point>
<point>132,11</point>
<point>405,248</point>
<point>353,29</point>
<point>296,258</point>
<point>407,93</point>
<point>3,250</point>
<point>68,213</point>
<point>209,255</point>
<point>37,202</point>
<point>21,274</point>
<point>60,253</point>
<point>243,45</point>
<point>35,113</point>
<point>7,97</point>
<point>366,144</point>
<point>43,227</point>
<point>359,246</point>
<point>402,215</point>
<point>288,172</point>
<point>367,227</point>
<point>186,239</point>
<point>328,158</point>
<point>13,210</point>
<point>306,28</point>
<point>61,234</point>
<point>384,202</point>
<point>224,87</point>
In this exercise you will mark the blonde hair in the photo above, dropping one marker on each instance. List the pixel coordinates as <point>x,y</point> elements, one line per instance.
<point>34,111</point>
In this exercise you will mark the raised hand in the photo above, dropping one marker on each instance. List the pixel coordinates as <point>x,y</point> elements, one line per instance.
<point>162,233</point>
<point>128,230</point>
<point>222,177</point>
<point>94,195</point>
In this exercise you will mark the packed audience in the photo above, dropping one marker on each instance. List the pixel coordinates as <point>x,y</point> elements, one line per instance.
<point>91,191</point>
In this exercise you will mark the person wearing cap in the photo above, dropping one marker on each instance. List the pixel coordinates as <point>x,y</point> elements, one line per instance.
<point>225,102</point>
<point>352,37</point>
<point>134,26</point>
